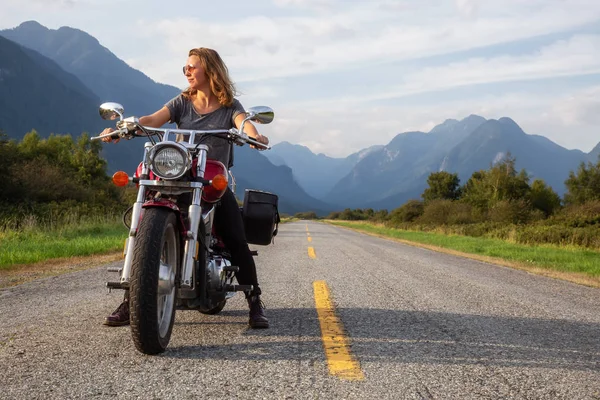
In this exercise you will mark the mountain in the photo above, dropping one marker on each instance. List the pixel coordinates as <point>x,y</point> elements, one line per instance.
<point>316,173</point>
<point>253,170</point>
<point>398,172</point>
<point>110,78</point>
<point>539,156</point>
<point>594,155</point>
<point>37,94</point>
<point>383,173</point>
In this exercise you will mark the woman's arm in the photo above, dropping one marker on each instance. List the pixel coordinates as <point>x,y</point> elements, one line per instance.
<point>155,120</point>
<point>250,129</point>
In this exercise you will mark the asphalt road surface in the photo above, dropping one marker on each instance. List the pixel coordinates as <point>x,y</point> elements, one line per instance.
<point>416,323</point>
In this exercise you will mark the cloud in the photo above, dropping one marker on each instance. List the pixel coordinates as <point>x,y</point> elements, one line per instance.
<point>38,5</point>
<point>364,34</point>
<point>579,108</point>
<point>318,5</point>
<point>467,8</point>
<point>579,55</point>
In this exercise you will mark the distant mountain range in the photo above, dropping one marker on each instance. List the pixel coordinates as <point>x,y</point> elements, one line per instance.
<point>316,173</point>
<point>54,80</point>
<point>107,76</point>
<point>387,176</point>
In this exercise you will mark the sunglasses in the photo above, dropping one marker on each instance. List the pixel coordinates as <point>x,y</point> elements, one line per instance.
<point>188,67</point>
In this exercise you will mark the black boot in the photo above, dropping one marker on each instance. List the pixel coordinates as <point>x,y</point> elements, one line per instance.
<point>120,316</point>
<point>258,320</point>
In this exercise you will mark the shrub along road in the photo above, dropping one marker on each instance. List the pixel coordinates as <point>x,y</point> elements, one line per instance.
<point>408,323</point>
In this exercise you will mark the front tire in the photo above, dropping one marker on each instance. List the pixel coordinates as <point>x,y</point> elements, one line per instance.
<point>153,280</point>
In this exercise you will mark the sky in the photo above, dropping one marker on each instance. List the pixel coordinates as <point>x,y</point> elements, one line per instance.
<point>343,75</point>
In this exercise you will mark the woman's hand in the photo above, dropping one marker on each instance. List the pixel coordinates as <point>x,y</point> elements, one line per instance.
<point>108,139</point>
<point>251,131</point>
<point>261,139</point>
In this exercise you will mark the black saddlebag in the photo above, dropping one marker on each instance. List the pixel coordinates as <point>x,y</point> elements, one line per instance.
<point>261,217</point>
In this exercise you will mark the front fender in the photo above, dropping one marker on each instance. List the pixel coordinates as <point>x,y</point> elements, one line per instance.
<point>164,203</point>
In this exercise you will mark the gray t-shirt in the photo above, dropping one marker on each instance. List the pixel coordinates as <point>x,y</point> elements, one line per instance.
<point>185,116</point>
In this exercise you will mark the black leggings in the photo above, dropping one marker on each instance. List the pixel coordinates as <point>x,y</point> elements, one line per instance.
<point>230,227</point>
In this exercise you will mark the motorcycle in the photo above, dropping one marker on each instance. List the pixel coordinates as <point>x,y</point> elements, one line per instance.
<point>173,257</point>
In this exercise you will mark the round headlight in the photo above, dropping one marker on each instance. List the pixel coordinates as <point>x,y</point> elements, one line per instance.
<point>170,162</point>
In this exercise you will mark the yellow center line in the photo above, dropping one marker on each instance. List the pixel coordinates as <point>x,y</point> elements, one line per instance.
<point>340,360</point>
<point>309,239</point>
<point>311,252</point>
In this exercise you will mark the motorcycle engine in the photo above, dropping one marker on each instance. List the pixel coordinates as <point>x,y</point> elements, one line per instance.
<point>217,277</point>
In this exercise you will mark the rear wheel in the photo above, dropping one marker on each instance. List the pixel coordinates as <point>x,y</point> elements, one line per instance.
<point>153,287</point>
<point>215,310</point>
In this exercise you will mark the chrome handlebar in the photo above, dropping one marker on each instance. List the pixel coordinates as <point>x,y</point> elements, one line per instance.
<point>132,127</point>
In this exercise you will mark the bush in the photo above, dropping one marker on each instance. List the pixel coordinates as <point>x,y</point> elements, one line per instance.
<point>380,216</point>
<point>447,212</point>
<point>587,214</point>
<point>559,235</point>
<point>510,212</point>
<point>352,215</point>
<point>306,215</point>
<point>408,212</point>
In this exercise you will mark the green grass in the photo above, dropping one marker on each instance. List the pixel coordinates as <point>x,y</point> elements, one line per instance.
<point>37,245</point>
<point>563,259</point>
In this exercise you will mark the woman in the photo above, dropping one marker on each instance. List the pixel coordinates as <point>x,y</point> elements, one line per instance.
<point>208,103</point>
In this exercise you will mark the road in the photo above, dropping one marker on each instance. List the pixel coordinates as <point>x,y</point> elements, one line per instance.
<point>415,324</point>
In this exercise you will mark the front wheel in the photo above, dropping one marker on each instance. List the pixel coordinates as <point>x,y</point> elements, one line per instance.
<point>153,287</point>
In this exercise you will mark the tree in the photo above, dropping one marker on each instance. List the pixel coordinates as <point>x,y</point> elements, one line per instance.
<point>506,183</point>
<point>543,198</point>
<point>500,183</point>
<point>442,186</point>
<point>8,155</point>
<point>584,185</point>
<point>333,215</point>
<point>87,161</point>
<point>476,190</point>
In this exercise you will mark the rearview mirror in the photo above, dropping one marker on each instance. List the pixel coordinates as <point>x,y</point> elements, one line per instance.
<point>111,111</point>
<point>260,114</point>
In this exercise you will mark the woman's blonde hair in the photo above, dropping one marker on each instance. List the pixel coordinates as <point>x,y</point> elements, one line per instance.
<point>217,73</point>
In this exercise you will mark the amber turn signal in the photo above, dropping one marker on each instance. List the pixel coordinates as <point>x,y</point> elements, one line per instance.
<point>120,178</point>
<point>219,182</point>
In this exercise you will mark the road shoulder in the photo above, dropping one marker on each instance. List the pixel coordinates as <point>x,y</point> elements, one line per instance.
<point>574,277</point>
<point>30,272</point>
